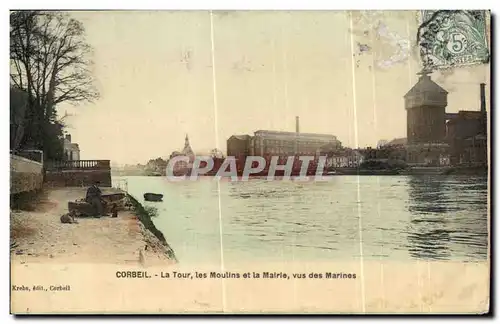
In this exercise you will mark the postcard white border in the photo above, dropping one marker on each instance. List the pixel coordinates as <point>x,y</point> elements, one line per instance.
<point>189,5</point>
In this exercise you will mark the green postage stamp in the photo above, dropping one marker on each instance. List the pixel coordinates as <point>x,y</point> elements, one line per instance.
<point>448,38</point>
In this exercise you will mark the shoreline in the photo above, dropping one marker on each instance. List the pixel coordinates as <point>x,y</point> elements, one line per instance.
<point>152,235</point>
<point>38,236</point>
<point>418,171</point>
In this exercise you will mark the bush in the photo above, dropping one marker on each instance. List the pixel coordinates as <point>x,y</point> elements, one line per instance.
<point>145,215</point>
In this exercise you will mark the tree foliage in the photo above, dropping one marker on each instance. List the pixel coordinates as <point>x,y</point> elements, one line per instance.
<point>49,62</point>
<point>157,165</point>
<point>216,153</point>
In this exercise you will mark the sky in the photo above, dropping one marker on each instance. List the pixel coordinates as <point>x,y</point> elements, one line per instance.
<point>164,74</point>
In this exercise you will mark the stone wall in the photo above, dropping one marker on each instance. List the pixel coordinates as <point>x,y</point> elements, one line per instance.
<point>25,175</point>
<point>78,178</point>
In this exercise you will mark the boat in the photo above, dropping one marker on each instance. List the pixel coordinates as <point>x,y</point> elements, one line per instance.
<point>82,208</point>
<point>153,197</point>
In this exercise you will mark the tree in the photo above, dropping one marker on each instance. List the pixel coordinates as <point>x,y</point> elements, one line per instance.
<point>49,62</point>
<point>18,103</point>
<point>216,154</point>
<point>157,165</point>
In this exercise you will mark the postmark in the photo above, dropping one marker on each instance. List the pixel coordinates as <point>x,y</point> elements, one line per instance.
<point>449,38</point>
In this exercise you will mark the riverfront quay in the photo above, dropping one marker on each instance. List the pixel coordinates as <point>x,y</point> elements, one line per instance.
<point>38,236</point>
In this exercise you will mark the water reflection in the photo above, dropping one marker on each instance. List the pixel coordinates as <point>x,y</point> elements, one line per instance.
<point>425,217</point>
<point>440,223</point>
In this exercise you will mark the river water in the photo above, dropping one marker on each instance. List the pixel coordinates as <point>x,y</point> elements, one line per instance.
<point>376,217</point>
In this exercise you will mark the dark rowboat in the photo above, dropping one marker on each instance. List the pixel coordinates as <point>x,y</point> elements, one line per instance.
<point>153,197</point>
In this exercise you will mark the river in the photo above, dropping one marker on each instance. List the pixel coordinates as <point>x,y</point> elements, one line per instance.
<point>374,217</point>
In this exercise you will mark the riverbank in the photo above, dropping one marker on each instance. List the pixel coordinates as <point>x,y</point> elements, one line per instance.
<point>38,236</point>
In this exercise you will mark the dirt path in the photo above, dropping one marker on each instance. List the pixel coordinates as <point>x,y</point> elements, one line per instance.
<point>39,235</point>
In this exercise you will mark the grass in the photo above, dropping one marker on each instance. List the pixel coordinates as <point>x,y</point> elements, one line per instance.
<point>28,201</point>
<point>19,229</point>
<point>151,211</point>
<point>145,215</point>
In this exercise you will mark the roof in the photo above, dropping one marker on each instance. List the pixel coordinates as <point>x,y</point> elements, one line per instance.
<point>329,147</point>
<point>397,141</point>
<point>278,133</point>
<point>469,114</point>
<point>425,84</point>
<point>187,150</point>
<point>346,152</point>
<point>463,115</point>
<point>450,115</point>
<point>240,137</point>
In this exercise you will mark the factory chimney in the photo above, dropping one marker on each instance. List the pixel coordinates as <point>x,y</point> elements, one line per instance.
<point>484,121</point>
<point>483,97</point>
<point>297,124</point>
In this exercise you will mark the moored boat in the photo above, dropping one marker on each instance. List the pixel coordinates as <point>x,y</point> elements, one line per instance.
<point>153,197</point>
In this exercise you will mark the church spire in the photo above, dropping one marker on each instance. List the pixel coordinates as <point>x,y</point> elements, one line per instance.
<point>187,147</point>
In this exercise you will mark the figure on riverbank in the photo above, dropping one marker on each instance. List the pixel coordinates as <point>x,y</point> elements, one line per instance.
<point>94,197</point>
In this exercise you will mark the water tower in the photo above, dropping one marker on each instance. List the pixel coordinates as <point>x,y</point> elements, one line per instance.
<point>425,106</point>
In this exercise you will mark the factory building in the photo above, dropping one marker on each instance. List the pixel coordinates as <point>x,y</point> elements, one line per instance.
<point>466,131</point>
<point>278,143</point>
<point>435,137</point>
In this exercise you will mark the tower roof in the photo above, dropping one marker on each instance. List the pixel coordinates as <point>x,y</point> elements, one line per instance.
<point>187,148</point>
<point>425,85</point>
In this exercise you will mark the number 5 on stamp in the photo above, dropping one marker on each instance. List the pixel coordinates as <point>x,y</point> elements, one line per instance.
<point>448,38</point>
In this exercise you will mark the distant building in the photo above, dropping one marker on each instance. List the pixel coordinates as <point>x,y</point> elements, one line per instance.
<point>330,148</point>
<point>186,151</point>
<point>278,143</point>
<point>381,143</point>
<point>239,145</point>
<point>396,142</point>
<point>425,105</point>
<point>435,137</point>
<point>344,158</point>
<point>71,150</point>
<point>467,135</point>
<point>290,143</point>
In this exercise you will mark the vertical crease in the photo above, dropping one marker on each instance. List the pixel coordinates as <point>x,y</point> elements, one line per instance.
<point>214,84</point>
<point>410,77</point>
<point>285,83</point>
<point>360,222</point>
<point>375,124</point>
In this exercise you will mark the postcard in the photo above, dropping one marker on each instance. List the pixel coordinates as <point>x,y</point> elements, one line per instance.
<point>250,162</point>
